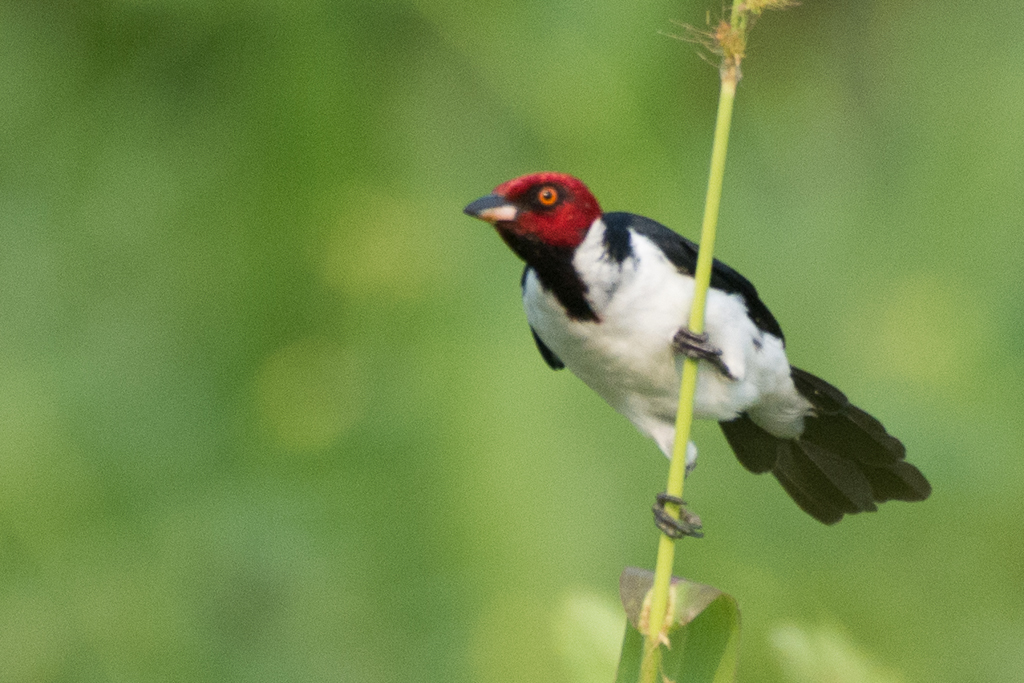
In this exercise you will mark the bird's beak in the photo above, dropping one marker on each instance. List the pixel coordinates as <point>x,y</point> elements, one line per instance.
<point>492,208</point>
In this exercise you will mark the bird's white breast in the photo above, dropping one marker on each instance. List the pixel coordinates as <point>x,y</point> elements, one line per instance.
<point>627,355</point>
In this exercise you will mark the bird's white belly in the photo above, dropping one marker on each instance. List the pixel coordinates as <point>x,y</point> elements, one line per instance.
<point>627,356</point>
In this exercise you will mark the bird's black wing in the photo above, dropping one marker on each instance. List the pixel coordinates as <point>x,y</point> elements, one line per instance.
<point>682,253</point>
<point>547,354</point>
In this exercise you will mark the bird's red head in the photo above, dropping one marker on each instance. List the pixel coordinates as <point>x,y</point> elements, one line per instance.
<point>552,208</point>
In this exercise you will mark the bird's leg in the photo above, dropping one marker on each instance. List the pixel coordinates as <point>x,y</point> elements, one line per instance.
<point>693,345</point>
<point>688,523</point>
<point>691,458</point>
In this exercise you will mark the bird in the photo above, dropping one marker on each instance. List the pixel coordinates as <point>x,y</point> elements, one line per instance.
<point>608,296</point>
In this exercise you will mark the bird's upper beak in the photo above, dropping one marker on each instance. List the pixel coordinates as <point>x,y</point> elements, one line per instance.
<point>492,208</point>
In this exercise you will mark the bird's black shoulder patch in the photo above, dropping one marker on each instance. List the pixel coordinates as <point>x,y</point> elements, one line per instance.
<point>682,253</point>
<point>617,240</point>
<point>547,354</point>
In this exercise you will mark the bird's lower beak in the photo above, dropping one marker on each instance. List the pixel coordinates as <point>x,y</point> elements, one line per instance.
<point>492,208</point>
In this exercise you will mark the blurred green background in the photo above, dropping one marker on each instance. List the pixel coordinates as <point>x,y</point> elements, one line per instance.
<point>269,409</point>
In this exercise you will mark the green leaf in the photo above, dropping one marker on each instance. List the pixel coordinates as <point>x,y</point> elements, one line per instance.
<point>703,635</point>
<point>632,654</point>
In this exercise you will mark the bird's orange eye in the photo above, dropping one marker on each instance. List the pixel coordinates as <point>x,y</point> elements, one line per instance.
<point>547,196</point>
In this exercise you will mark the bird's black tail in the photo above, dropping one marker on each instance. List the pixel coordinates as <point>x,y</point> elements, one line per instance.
<point>843,463</point>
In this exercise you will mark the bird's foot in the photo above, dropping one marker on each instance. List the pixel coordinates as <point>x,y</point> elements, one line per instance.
<point>688,523</point>
<point>693,345</point>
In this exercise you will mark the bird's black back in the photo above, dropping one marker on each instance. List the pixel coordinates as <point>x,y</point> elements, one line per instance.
<point>682,253</point>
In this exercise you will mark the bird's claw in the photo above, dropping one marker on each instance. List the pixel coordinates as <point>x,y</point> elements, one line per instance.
<point>688,523</point>
<point>698,346</point>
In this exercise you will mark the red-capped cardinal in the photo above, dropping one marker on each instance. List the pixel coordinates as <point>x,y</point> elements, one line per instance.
<point>608,296</point>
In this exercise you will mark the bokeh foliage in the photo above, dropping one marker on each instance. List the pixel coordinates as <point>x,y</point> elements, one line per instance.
<point>268,406</point>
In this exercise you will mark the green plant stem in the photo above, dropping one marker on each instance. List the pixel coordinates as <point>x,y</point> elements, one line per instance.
<point>684,416</point>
